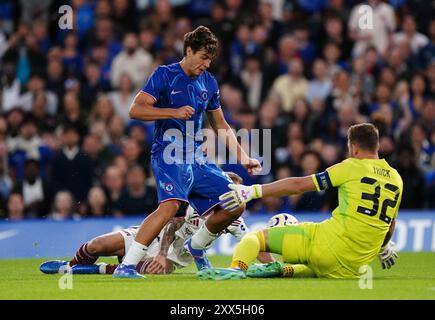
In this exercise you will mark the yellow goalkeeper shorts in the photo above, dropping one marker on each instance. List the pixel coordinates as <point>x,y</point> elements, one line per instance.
<point>305,243</point>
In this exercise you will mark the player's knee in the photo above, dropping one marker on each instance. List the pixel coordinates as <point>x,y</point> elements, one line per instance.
<point>97,245</point>
<point>254,236</point>
<point>170,208</point>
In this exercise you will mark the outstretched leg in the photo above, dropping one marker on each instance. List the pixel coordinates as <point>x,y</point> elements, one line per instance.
<point>88,253</point>
<point>292,242</point>
<point>110,244</point>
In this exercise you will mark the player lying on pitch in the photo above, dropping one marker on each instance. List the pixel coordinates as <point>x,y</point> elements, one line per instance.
<point>165,254</point>
<point>342,246</point>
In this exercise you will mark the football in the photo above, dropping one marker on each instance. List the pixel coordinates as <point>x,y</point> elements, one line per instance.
<point>281,220</point>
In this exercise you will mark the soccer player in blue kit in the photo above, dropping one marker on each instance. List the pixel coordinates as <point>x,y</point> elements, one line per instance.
<point>177,96</point>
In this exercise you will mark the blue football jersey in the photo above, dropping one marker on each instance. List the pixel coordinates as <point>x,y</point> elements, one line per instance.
<point>172,88</point>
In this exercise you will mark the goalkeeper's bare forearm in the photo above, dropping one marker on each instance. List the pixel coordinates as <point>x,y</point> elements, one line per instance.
<point>389,233</point>
<point>288,186</point>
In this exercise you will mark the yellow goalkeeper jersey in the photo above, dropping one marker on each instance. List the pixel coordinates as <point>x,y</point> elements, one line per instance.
<point>369,193</point>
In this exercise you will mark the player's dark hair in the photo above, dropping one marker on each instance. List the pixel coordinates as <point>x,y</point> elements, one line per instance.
<point>365,135</point>
<point>201,38</point>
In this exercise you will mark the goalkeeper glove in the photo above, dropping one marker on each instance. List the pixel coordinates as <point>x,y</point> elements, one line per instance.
<point>387,256</point>
<point>239,195</point>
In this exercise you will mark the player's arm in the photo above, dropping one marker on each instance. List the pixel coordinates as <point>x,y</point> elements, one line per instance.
<point>169,234</point>
<point>242,194</point>
<point>389,233</point>
<point>387,255</point>
<point>333,176</point>
<point>288,186</point>
<point>160,263</point>
<point>143,109</point>
<point>220,125</point>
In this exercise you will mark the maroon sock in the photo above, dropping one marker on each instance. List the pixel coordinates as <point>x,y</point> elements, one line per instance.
<point>83,256</point>
<point>110,268</point>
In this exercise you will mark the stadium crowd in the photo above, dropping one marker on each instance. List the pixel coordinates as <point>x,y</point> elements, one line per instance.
<point>304,69</point>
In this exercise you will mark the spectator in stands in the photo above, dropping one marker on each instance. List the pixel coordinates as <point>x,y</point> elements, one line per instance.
<point>5,180</point>
<point>413,180</point>
<point>36,85</point>
<point>36,192</point>
<point>320,86</point>
<point>124,15</point>
<point>287,50</point>
<point>92,85</point>
<point>426,54</point>
<point>73,115</point>
<point>123,97</point>
<point>136,198</point>
<point>362,79</point>
<point>410,35</point>
<point>424,151</point>
<point>99,154</point>
<point>26,144</point>
<point>24,53</point>
<point>133,152</point>
<point>331,55</point>
<point>290,155</point>
<point>27,141</point>
<point>306,48</point>
<point>254,81</point>
<point>334,31</point>
<point>43,120</point>
<point>97,205</point>
<point>430,74</point>
<point>112,183</point>
<point>417,97</point>
<point>103,37</point>
<point>11,88</point>
<point>100,55</point>
<point>272,205</point>
<point>15,207</point>
<point>133,61</point>
<point>292,85</point>
<point>161,17</point>
<point>272,26</point>
<point>378,34</point>
<point>341,94</point>
<point>71,168</point>
<point>387,147</point>
<point>72,60</point>
<point>102,111</point>
<point>64,207</point>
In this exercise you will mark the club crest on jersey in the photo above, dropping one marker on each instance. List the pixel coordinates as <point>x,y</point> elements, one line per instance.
<point>167,186</point>
<point>204,95</point>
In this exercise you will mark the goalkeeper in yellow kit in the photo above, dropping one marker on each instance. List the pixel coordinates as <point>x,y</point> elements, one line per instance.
<point>360,228</point>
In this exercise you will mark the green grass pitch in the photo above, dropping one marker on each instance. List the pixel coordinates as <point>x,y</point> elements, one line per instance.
<point>412,278</point>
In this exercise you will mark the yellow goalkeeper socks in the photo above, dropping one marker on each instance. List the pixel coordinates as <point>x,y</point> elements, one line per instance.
<point>237,264</point>
<point>288,271</point>
<point>247,250</point>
